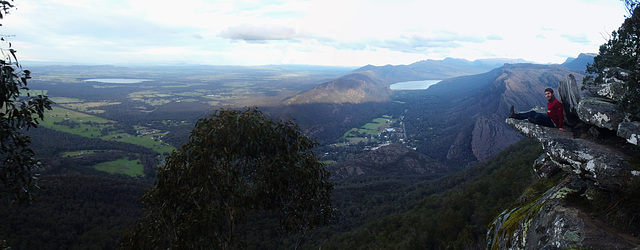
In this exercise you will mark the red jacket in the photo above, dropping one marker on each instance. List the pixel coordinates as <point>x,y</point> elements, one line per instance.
<point>555,112</point>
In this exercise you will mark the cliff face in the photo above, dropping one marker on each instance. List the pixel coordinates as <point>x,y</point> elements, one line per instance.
<point>493,93</point>
<point>594,203</point>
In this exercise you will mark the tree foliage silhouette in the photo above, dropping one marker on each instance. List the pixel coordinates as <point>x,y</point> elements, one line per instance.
<point>19,110</point>
<point>237,166</point>
<point>623,51</point>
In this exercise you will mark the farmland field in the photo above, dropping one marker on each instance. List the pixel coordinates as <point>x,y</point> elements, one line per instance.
<point>86,125</point>
<point>369,130</point>
<point>122,166</point>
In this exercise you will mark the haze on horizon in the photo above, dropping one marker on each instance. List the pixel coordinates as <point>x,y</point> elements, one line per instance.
<point>312,32</point>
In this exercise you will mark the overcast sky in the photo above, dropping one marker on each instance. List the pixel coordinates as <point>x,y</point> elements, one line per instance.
<point>318,32</point>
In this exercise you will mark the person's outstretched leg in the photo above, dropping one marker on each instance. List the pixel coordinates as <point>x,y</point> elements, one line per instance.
<point>544,120</point>
<point>522,116</point>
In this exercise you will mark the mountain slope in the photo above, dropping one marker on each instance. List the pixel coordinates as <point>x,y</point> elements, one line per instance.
<point>471,127</point>
<point>356,88</point>
<point>579,63</point>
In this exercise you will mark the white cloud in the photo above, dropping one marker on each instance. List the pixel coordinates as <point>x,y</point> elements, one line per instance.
<point>337,32</point>
<point>250,32</point>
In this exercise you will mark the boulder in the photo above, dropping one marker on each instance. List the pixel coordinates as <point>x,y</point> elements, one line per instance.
<point>544,167</point>
<point>630,131</point>
<point>613,86</point>
<point>569,95</point>
<point>600,112</point>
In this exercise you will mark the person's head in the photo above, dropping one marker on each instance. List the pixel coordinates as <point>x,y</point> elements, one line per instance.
<point>548,93</point>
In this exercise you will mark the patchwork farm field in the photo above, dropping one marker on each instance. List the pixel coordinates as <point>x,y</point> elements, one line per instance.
<point>86,125</point>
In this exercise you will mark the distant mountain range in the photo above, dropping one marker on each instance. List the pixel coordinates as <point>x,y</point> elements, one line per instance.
<point>466,109</point>
<point>435,69</point>
<point>579,63</point>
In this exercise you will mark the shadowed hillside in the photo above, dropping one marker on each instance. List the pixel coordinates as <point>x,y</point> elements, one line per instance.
<point>358,87</point>
<point>471,125</point>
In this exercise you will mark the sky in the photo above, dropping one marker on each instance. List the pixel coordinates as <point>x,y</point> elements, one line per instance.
<point>312,32</point>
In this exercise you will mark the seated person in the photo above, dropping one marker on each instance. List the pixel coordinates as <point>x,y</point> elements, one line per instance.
<point>553,118</point>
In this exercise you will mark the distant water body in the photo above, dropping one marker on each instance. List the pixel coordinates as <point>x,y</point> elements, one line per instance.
<point>413,85</point>
<point>118,80</point>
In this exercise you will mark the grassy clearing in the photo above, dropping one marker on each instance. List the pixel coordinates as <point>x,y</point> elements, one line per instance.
<point>370,129</point>
<point>78,153</point>
<point>59,100</point>
<point>77,123</point>
<point>122,166</point>
<point>85,106</point>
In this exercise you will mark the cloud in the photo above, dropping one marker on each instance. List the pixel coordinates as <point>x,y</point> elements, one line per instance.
<point>251,33</point>
<point>418,43</point>
<point>494,37</point>
<point>577,38</point>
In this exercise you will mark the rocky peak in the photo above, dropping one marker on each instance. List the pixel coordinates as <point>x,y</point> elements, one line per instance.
<point>595,169</point>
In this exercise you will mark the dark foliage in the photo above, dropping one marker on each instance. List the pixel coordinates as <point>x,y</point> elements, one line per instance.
<point>623,50</point>
<point>18,111</point>
<point>72,212</point>
<point>453,212</point>
<point>237,166</point>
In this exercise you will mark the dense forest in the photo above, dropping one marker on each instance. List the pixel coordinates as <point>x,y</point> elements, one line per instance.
<point>88,211</point>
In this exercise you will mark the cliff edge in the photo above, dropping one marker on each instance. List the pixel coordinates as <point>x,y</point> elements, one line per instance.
<point>594,171</point>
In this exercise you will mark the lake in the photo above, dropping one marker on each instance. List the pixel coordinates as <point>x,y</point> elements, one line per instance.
<point>118,80</point>
<point>413,85</point>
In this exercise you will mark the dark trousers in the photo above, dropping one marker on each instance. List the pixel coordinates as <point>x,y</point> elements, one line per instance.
<point>537,118</point>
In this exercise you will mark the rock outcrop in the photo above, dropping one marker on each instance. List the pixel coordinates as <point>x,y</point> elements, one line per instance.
<point>592,173</point>
<point>390,160</point>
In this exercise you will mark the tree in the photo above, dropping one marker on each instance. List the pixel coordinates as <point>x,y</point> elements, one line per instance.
<point>623,50</point>
<point>19,110</point>
<point>236,167</point>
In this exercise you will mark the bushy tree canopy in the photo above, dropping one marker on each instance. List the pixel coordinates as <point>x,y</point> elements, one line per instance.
<point>19,110</point>
<point>623,50</point>
<point>236,167</point>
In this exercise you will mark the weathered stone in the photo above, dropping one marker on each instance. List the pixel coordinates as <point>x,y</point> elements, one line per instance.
<point>600,112</point>
<point>548,223</point>
<point>569,95</point>
<point>605,166</point>
<point>613,86</point>
<point>544,167</point>
<point>630,131</point>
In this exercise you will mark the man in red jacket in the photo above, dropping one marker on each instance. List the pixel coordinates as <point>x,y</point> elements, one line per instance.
<point>553,118</point>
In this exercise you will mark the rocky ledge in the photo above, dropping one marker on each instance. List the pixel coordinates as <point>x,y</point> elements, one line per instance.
<point>606,166</point>
<point>594,174</point>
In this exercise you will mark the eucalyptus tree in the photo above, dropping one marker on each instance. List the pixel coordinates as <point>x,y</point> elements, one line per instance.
<point>19,111</point>
<point>238,167</point>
